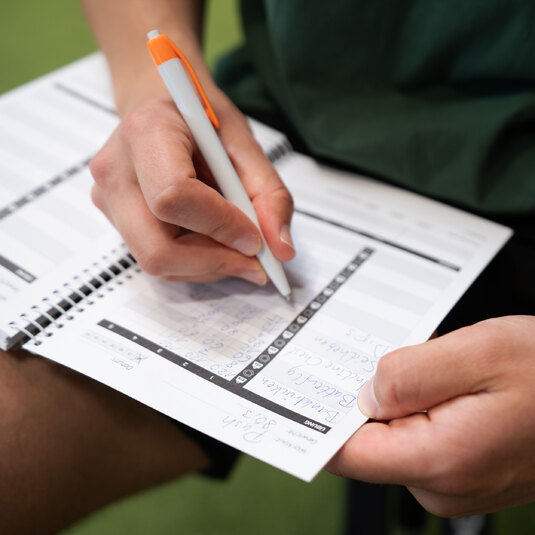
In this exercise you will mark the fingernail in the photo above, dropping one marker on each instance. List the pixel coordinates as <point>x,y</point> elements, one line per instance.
<point>285,236</point>
<point>367,401</point>
<point>258,276</point>
<point>248,245</point>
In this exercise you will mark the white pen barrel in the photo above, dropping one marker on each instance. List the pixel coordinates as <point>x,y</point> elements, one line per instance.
<point>189,104</point>
<point>205,136</point>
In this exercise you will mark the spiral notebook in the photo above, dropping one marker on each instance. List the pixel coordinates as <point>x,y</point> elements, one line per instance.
<point>50,129</point>
<point>377,268</point>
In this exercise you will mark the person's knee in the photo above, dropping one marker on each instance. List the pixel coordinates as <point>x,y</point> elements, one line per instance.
<point>69,445</point>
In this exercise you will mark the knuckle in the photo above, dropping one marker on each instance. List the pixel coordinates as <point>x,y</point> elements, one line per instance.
<point>152,261</point>
<point>227,264</point>
<point>215,264</point>
<point>387,387</point>
<point>218,227</point>
<point>100,168</point>
<point>222,266</point>
<point>96,197</point>
<point>168,203</point>
<point>283,198</point>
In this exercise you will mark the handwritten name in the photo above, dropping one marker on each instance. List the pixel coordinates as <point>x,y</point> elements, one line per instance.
<point>253,425</point>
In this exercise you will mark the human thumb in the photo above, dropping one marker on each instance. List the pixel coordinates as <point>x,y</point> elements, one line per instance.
<point>415,378</point>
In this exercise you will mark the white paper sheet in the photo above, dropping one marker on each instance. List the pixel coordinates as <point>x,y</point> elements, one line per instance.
<point>377,268</point>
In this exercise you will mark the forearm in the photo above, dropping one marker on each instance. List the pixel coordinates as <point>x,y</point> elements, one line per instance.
<point>149,179</point>
<point>120,27</point>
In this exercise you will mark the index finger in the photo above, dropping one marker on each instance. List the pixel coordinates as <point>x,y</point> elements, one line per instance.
<point>387,453</point>
<point>271,199</point>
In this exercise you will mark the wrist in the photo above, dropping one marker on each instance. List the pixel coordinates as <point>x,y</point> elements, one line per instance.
<point>134,91</point>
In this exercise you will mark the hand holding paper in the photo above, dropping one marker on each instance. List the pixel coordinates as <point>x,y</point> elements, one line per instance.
<point>472,451</point>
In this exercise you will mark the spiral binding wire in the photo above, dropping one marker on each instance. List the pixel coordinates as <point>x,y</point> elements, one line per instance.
<point>29,335</point>
<point>281,149</point>
<point>77,292</point>
<point>109,272</point>
<point>61,311</point>
<point>53,321</point>
<point>40,328</point>
<point>92,287</point>
<point>100,278</point>
<point>69,299</point>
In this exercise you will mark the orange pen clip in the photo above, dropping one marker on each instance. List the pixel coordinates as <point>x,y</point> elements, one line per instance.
<point>163,49</point>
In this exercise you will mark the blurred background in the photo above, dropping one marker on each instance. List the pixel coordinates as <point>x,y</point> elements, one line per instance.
<point>256,495</point>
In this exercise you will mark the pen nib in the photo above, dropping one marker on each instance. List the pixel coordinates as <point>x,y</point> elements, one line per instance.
<point>288,297</point>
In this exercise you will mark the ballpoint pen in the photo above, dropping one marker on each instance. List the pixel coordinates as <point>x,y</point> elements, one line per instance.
<point>195,108</point>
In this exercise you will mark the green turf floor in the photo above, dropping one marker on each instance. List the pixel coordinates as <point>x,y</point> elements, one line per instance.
<point>37,36</point>
<point>256,495</point>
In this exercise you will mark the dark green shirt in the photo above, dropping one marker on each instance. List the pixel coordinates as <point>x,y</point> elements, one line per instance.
<point>434,95</point>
